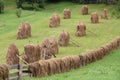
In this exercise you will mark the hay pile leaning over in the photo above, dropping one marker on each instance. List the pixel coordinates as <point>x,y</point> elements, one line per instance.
<point>94,17</point>
<point>11,56</point>
<point>84,10</point>
<point>64,38</point>
<point>104,15</point>
<point>66,14</point>
<point>24,31</point>
<point>45,50</point>
<point>53,45</point>
<point>81,29</point>
<point>4,72</point>
<point>54,20</point>
<point>32,53</point>
<point>28,29</point>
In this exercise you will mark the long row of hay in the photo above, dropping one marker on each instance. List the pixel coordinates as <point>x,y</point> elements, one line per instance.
<point>4,72</point>
<point>54,65</point>
<point>94,55</point>
<point>58,65</point>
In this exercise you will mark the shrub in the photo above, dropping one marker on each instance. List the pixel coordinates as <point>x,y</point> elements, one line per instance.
<point>116,10</point>
<point>18,12</point>
<point>1,6</point>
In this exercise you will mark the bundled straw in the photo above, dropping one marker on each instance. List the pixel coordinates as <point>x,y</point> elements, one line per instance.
<point>64,38</point>
<point>84,10</point>
<point>32,53</point>
<point>11,56</point>
<point>4,72</point>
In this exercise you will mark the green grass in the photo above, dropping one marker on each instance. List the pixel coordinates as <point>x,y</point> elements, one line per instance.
<point>102,33</point>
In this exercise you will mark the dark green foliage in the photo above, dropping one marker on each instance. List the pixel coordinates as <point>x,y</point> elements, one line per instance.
<point>35,3</point>
<point>116,10</point>
<point>1,6</point>
<point>18,12</point>
<point>85,1</point>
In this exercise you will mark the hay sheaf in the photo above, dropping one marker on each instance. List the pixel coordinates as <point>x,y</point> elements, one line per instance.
<point>94,17</point>
<point>49,48</point>
<point>24,31</point>
<point>84,10</point>
<point>64,38</point>
<point>80,29</point>
<point>104,15</point>
<point>54,20</point>
<point>4,72</point>
<point>32,53</point>
<point>66,14</point>
<point>11,56</point>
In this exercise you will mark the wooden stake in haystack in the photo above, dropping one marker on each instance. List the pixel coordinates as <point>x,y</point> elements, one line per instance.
<point>54,20</point>
<point>81,29</point>
<point>32,53</point>
<point>4,72</point>
<point>11,58</point>
<point>104,14</point>
<point>94,17</point>
<point>49,48</point>
<point>64,38</point>
<point>84,10</point>
<point>24,31</point>
<point>66,14</point>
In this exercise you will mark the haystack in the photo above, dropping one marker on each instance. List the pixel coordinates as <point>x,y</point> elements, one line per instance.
<point>104,15</point>
<point>4,72</point>
<point>84,10</point>
<point>64,38</point>
<point>94,17</point>
<point>80,30</point>
<point>49,47</point>
<point>32,53</point>
<point>54,20</point>
<point>24,31</point>
<point>66,14</point>
<point>53,45</point>
<point>11,56</point>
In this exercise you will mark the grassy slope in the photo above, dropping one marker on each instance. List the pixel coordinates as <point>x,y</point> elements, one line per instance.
<point>106,30</point>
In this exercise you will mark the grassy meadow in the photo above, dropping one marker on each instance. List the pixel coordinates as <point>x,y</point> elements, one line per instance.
<point>97,35</point>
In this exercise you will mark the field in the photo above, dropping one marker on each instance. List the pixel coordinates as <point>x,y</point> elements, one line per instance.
<point>97,35</point>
